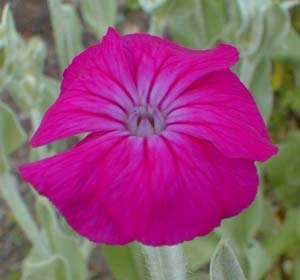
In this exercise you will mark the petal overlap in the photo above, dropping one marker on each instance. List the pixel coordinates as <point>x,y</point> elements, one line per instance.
<point>220,109</point>
<point>120,188</point>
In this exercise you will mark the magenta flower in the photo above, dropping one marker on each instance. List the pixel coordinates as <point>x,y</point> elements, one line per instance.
<point>173,136</point>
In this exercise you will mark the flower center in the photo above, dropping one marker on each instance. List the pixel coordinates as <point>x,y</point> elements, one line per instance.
<point>145,120</point>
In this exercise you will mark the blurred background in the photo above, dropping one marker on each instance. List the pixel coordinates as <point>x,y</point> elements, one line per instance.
<point>38,39</point>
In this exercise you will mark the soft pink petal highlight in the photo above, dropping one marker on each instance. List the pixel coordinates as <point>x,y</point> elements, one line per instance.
<point>163,69</point>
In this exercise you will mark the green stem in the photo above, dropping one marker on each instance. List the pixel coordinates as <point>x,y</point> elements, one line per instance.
<point>166,262</point>
<point>247,69</point>
<point>20,211</point>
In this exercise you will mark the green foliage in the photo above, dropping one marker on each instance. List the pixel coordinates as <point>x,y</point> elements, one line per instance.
<point>151,5</point>
<point>67,31</point>
<point>121,261</point>
<point>133,4</point>
<point>290,49</point>
<point>283,171</point>
<point>240,230</point>
<point>11,137</point>
<point>9,43</point>
<point>202,18</point>
<point>284,240</point>
<point>259,261</point>
<point>9,189</point>
<point>65,258</point>
<point>198,251</point>
<point>54,267</point>
<point>98,15</point>
<point>276,27</point>
<point>224,265</point>
<point>16,56</point>
<point>56,253</point>
<point>261,86</point>
<point>21,65</point>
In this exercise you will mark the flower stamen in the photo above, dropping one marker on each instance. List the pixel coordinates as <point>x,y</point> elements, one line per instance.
<point>145,120</point>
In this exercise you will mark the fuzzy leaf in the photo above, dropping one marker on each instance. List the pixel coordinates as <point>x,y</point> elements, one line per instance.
<point>260,86</point>
<point>239,230</point>
<point>199,250</point>
<point>290,48</point>
<point>9,189</point>
<point>165,262</point>
<point>99,15</point>
<point>250,35</point>
<point>59,242</point>
<point>67,30</point>
<point>11,133</point>
<point>203,19</point>
<point>54,267</point>
<point>259,261</point>
<point>224,265</point>
<point>276,27</point>
<point>9,42</point>
<point>151,5</point>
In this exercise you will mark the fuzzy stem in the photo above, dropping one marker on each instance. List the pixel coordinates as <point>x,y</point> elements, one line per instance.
<point>165,263</point>
<point>12,196</point>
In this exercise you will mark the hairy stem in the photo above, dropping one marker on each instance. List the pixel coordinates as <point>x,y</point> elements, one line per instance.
<point>165,263</point>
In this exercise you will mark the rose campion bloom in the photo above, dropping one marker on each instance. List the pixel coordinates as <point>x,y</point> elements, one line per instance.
<point>173,136</point>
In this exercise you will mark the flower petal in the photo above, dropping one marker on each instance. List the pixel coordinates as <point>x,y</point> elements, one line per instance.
<point>96,94</point>
<point>178,188</point>
<point>158,190</point>
<point>220,109</point>
<point>73,182</point>
<point>79,64</point>
<point>108,56</point>
<point>82,109</point>
<point>163,68</point>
